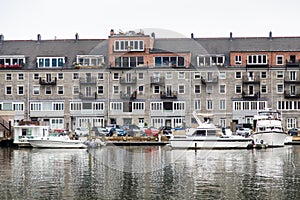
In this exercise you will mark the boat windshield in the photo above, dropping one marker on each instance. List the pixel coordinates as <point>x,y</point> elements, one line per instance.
<point>199,133</point>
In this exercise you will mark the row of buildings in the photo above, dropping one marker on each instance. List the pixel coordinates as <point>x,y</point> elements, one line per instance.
<point>136,78</point>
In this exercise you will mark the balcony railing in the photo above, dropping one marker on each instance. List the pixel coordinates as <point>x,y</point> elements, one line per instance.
<point>251,80</point>
<point>128,81</point>
<point>254,95</point>
<point>128,96</point>
<point>87,96</point>
<point>289,94</point>
<point>288,80</point>
<point>292,63</point>
<point>88,81</point>
<point>44,81</point>
<point>172,95</point>
<point>157,80</point>
<point>212,80</point>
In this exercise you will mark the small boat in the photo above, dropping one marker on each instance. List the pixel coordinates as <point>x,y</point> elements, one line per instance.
<point>208,136</point>
<point>268,128</point>
<point>56,140</point>
<point>26,130</point>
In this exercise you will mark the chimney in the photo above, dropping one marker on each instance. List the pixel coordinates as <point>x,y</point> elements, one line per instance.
<point>1,38</point>
<point>192,35</point>
<point>112,32</point>
<point>270,35</point>
<point>76,37</point>
<point>230,36</point>
<point>153,34</point>
<point>39,37</point>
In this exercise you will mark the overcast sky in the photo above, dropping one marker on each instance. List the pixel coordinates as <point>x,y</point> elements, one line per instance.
<point>24,19</point>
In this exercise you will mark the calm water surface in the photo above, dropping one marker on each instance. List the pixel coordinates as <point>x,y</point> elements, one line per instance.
<point>149,173</point>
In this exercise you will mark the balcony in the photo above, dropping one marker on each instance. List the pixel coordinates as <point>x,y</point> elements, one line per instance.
<point>14,66</point>
<point>128,96</point>
<point>128,81</point>
<point>44,81</point>
<point>171,95</point>
<point>157,81</point>
<point>88,81</point>
<point>247,95</point>
<point>212,80</point>
<point>290,95</point>
<point>88,97</point>
<point>287,80</point>
<point>251,80</point>
<point>292,63</point>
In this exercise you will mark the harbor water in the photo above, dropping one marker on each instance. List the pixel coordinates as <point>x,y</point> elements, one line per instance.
<point>149,173</point>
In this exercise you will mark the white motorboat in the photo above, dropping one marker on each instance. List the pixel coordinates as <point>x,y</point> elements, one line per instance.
<point>26,130</point>
<point>208,136</point>
<point>56,140</point>
<point>268,128</point>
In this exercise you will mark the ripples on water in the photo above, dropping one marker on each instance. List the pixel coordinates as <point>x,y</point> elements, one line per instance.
<point>149,173</point>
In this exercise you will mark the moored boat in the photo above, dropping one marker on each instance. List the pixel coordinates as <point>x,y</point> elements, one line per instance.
<point>207,135</point>
<point>268,128</point>
<point>56,140</point>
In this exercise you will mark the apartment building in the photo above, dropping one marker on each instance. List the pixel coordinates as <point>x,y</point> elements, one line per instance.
<point>136,78</point>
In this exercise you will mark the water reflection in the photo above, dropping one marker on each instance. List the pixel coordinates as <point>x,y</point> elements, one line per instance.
<point>149,173</point>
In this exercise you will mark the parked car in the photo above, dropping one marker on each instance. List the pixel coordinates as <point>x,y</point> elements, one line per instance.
<point>243,132</point>
<point>111,128</point>
<point>293,132</point>
<point>100,131</point>
<point>133,130</point>
<point>166,131</point>
<point>81,131</point>
<point>151,131</point>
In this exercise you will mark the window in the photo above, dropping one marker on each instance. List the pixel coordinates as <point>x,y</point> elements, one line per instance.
<point>279,88</point>
<point>222,104</point>
<point>238,75</point>
<point>20,77</point>
<point>60,90</point>
<point>48,90</point>
<point>138,106</point>
<point>238,89</point>
<point>293,75</point>
<point>18,106</point>
<point>12,61</point>
<point>156,105</point>
<point>36,90</point>
<point>181,75</point>
<point>210,60</point>
<point>100,76</point>
<point>8,77</point>
<point>222,89</point>
<point>75,89</point>
<point>197,89</point>
<point>98,106</point>
<point>291,123</point>
<point>129,45</point>
<point>89,60</point>
<point>209,89</point>
<point>75,76</point>
<point>263,75</point>
<point>75,106</point>
<point>36,76</point>
<point>116,89</point>
<point>35,106</point>
<point>20,90</point>
<point>222,75</point>
<point>100,89</point>
<point>58,106</point>
<point>279,74</point>
<point>169,61</point>
<point>181,89</point>
<point>178,105</point>
<point>238,60</point>
<point>197,75</point>
<point>263,89</point>
<point>8,90</point>
<point>50,62</point>
<point>209,104</point>
<point>116,76</point>
<point>116,106</point>
<point>279,60</point>
<point>140,76</point>
<point>60,76</point>
<point>257,59</point>
<point>129,61</point>
<point>197,104</point>
<point>169,75</point>
<point>156,89</point>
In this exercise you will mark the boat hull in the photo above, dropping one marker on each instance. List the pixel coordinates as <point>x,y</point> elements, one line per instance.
<point>272,139</point>
<point>211,143</point>
<point>57,144</point>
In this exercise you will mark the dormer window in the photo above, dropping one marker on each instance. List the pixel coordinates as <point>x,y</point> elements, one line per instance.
<point>210,60</point>
<point>89,60</point>
<point>50,62</point>
<point>129,45</point>
<point>12,61</point>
